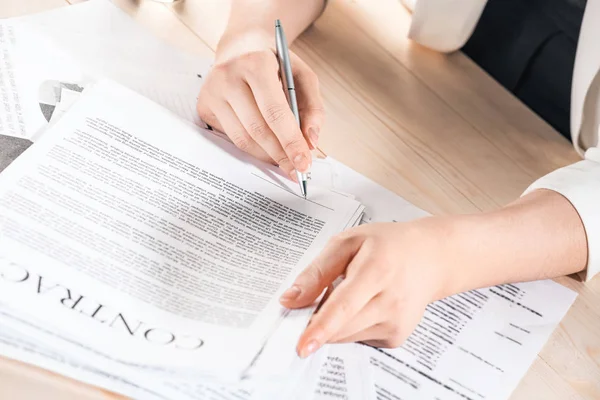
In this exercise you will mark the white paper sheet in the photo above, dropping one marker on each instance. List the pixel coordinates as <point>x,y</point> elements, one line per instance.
<point>78,45</point>
<point>475,345</point>
<point>15,344</point>
<point>104,116</point>
<point>335,372</point>
<point>345,374</point>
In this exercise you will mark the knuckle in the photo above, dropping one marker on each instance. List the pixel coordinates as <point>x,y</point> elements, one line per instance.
<point>264,57</point>
<point>275,113</point>
<point>205,113</point>
<point>341,237</point>
<point>344,307</point>
<point>202,107</point>
<point>315,274</point>
<point>224,77</point>
<point>318,111</point>
<point>337,240</point>
<point>395,337</point>
<point>283,161</point>
<point>259,130</point>
<point>293,146</point>
<point>255,62</point>
<point>393,301</point>
<point>314,111</point>
<point>219,72</point>
<point>397,340</point>
<point>202,110</point>
<point>394,341</point>
<point>202,95</point>
<point>243,143</point>
<point>230,82</point>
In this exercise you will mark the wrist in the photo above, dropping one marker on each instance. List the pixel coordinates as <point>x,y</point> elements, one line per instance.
<point>437,240</point>
<point>236,41</point>
<point>453,245</point>
<point>458,255</point>
<point>539,236</point>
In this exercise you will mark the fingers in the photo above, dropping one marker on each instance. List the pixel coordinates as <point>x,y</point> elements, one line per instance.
<point>226,117</point>
<point>386,321</point>
<point>273,105</point>
<point>250,83</point>
<point>342,306</point>
<point>328,265</point>
<point>372,334</point>
<point>257,128</point>
<point>372,314</point>
<point>310,103</point>
<point>207,115</point>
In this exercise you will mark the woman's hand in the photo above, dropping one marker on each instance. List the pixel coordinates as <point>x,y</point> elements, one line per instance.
<point>392,271</point>
<point>244,98</point>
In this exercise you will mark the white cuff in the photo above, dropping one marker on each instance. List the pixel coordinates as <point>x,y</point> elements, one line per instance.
<point>580,184</point>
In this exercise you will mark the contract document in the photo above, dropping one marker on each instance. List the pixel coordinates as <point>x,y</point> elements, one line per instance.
<point>474,345</point>
<point>338,372</point>
<point>126,229</point>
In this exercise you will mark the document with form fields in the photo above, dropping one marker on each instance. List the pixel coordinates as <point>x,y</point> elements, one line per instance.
<point>144,255</point>
<point>474,345</point>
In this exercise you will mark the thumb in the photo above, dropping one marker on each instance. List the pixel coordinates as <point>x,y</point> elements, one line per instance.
<point>310,103</point>
<point>330,264</point>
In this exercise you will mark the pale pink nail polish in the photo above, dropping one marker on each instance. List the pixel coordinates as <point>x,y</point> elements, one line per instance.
<point>291,294</point>
<point>310,348</point>
<point>301,162</point>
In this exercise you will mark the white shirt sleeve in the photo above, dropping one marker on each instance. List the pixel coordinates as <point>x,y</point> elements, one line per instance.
<point>445,25</point>
<point>580,184</point>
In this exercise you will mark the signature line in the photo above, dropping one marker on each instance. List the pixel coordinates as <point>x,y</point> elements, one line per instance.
<point>290,192</point>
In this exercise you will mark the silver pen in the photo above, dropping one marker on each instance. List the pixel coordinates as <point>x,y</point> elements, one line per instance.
<point>285,66</point>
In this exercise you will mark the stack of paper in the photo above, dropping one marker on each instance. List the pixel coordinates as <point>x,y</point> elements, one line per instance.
<point>142,254</point>
<point>43,55</point>
<point>160,254</point>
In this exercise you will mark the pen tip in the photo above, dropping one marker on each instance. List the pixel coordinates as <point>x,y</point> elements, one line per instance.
<point>277,23</point>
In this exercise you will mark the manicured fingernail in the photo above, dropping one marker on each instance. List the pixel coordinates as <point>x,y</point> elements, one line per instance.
<point>301,162</point>
<point>293,176</point>
<point>290,294</point>
<point>313,135</point>
<point>310,348</point>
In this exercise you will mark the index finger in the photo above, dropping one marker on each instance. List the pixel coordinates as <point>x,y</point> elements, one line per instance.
<point>343,304</point>
<point>322,271</point>
<point>273,105</point>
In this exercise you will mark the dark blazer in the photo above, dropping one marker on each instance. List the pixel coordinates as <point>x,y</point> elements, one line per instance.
<point>529,47</point>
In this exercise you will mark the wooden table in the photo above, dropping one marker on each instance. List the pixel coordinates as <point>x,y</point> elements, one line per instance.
<point>433,128</point>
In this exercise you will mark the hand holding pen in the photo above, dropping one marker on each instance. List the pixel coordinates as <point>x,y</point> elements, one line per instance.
<point>244,98</point>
